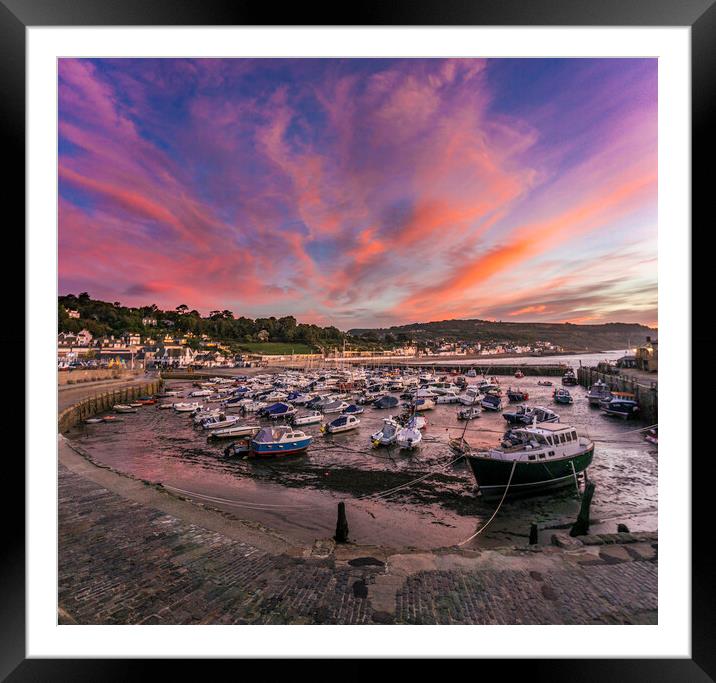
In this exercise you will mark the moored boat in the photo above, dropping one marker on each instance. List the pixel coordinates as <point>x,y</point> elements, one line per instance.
<point>527,415</point>
<point>469,413</point>
<point>124,408</point>
<point>515,396</point>
<point>387,434</point>
<point>569,378</point>
<point>219,422</point>
<point>385,402</point>
<point>354,409</point>
<point>532,459</point>
<point>343,423</point>
<point>186,407</point>
<point>282,440</point>
<point>598,392</point>
<point>234,430</point>
<point>491,402</point>
<point>334,407</point>
<point>239,448</point>
<point>311,418</point>
<point>408,438</point>
<point>562,396</point>
<point>621,404</point>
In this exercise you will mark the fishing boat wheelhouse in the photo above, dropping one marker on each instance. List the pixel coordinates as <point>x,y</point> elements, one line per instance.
<point>598,392</point>
<point>543,456</point>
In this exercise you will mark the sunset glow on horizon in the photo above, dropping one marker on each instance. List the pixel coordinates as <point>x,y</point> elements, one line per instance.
<point>363,192</point>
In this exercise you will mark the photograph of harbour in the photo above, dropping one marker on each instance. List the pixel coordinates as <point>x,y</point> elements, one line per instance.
<point>357,341</point>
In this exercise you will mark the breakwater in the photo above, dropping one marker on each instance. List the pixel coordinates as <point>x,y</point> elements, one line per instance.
<point>546,370</point>
<point>647,395</point>
<point>99,402</point>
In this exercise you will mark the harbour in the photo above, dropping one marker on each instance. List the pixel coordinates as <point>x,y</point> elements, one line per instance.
<point>298,496</point>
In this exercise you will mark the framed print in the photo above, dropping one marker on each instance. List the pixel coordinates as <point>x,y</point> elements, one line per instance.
<point>357,327</point>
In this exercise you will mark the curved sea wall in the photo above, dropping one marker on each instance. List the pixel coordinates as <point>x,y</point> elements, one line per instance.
<point>103,401</point>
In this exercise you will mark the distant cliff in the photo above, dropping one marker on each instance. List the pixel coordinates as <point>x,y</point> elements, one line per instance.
<point>571,337</point>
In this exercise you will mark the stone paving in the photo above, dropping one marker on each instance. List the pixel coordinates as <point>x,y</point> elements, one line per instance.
<point>122,562</point>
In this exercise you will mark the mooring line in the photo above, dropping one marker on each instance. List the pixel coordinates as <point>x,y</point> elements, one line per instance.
<point>240,503</point>
<point>480,530</point>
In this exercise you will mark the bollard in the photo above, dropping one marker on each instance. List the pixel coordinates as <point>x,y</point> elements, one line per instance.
<point>533,534</point>
<point>581,526</point>
<point>342,524</point>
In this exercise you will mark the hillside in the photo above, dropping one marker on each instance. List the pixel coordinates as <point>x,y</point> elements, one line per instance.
<point>571,337</point>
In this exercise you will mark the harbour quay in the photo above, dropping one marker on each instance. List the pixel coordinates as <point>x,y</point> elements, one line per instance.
<point>644,386</point>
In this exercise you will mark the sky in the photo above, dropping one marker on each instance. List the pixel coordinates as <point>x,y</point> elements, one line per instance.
<point>362,192</point>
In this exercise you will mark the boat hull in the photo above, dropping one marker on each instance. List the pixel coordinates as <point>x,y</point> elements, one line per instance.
<point>492,474</point>
<point>260,450</point>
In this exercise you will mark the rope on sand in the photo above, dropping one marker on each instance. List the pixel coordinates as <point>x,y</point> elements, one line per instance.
<point>497,509</point>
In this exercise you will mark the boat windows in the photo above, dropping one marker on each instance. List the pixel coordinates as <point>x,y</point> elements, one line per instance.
<point>541,455</point>
<point>530,457</point>
<point>574,436</point>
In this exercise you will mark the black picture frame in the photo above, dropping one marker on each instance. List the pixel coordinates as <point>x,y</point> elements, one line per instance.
<point>700,15</point>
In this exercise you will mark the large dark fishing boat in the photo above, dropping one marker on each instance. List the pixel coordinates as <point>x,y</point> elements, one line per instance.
<point>532,459</point>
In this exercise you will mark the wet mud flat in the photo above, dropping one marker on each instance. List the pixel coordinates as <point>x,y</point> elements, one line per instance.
<point>298,495</point>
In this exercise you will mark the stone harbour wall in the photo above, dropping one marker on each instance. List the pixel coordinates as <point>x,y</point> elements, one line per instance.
<point>103,401</point>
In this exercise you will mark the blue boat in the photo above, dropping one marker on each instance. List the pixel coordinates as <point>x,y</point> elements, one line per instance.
<point>491,402</point>
<point>386,402</point>
<point>279,441</point>
<point>353,409</point>
<point>562,396</point>
<point>621,405</point>
<point>277,410</point>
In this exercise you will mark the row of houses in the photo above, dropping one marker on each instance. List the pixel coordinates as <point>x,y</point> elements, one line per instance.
<point>132,351</point>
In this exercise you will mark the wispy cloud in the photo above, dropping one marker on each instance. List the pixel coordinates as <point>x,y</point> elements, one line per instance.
<point>361,191</point>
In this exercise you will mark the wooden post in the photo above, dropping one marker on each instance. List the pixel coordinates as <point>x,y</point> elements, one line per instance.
<point>581,526</point>
<point>342,524</point>
<point>533,534</point>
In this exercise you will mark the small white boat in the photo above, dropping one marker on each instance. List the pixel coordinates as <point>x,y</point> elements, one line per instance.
<point>235,430</point>
<point>205,413</point>
<point>335,407</point>
<point>254,406</point>
<point>93,420</point>
<point>470,397</point>
<point>123,408</point>
<point>314,417</point>
<point>469,413</point>
<point>186,407</point>
<point>424,404</point>
<point>165,406</point>
<point>219,422</point>
<point>343,423</point>
<point>417,422</point>
<point>409,438</point>
<point>201,392</point>
<point>387,434</point>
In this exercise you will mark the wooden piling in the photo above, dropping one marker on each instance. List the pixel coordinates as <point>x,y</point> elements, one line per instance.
<point>581,526</point>
<point>342,524</point>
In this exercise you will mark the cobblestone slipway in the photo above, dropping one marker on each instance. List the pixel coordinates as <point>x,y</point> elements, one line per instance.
<point>132,554</point>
